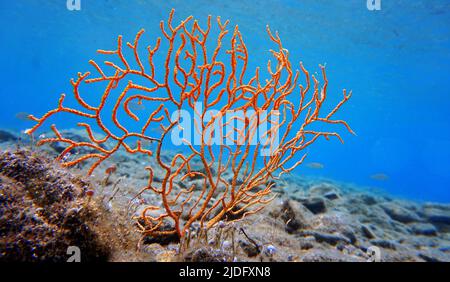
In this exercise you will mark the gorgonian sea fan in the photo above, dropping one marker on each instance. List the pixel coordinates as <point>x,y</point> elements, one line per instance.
<point>229,184</point>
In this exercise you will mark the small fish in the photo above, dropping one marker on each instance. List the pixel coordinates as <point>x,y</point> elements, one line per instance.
<point>146,143</point>
<point>315,165</point>
<point>379,177</point>
<point>23,116</point>
<point>136,105</point>
<point>157,129</point>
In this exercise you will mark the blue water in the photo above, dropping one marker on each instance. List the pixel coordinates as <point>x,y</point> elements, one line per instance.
<point>396,61</point>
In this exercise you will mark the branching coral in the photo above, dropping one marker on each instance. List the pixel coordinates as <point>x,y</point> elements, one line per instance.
<point>190,76</point>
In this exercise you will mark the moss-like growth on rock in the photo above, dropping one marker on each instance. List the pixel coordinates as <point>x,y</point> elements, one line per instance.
<point>44,210</point>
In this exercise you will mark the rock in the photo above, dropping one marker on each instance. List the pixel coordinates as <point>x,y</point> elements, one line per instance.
<point>331,196</point>
<point>437,215</point>
<point>367,232</point>
<point>299,197</point>
<point>6,136</point>
<point>384,244</point>
<point>320,237</point>
<point>249,248</point>
<point>335,222</point>
<point>322,189</point>
<point>440,206</point>
<point>347,232</point>
<point>368,199</point>
<point>279,190</point>
<point>351,249</point>
<point>399,213</point>
<point>207,254</point>
<point>434,256</point>
<point>45,211</point>
<point>403,255</point>
<point>426,229</point>
<point>420,242</point>
<point>329,255</point>
<point>307,242</point>
<point>293,216</point>
<point>316,205</point>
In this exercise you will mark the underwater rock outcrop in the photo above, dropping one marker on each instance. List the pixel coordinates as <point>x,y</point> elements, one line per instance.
<point>7,136</point>
<point>44,210</point>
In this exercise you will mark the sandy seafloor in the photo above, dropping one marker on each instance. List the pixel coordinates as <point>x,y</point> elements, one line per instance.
<point>312,219</point>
